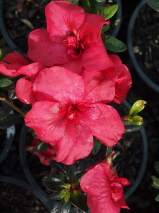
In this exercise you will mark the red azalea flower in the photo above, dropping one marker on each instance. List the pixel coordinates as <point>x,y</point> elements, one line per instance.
<point>16,64</point>
<point>119,75</point>
<point>72,39</point>
<point>44,156</point>
<point>67,118</point>
<point>104,189</point>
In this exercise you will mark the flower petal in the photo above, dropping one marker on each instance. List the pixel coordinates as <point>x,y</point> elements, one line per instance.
<point>16,58</point>
<point>62,18</point>
<point>90,31</point>
<point>95,57</point>
<point>97,88</point>
<point>60,84</point>
<point>24,91</point>
<point>105,123</point>
<point>42,49</point>
<point>77,143</point>
<point>51,116</point>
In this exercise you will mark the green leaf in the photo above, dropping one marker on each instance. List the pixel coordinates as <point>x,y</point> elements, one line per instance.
<point>156,165</point>
<point>61,207</point>
<point>155,181</point>
<point>157,198</point>
<point>10,120</point>
<point>42,146</point>
<point>96,147</point>
<point>137,107</point>
<point>53,182</point>
<point>79,199</point>
<point>138,120</point>
<point>55,196</point>
<point>4,113</point>
<point>58,166</point>
<point>154,4</point>
<point>96,7</point>
<point>110,11</point>
<point>4,82</point>
<point>78,210</point>
<point>131,127</point>
<point>105,28</point>
<point>1,55</point>
<point>65,194</point>
<point>113,44</point>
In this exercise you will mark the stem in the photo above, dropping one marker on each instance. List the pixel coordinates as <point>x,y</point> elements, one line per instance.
<point>13,106</point>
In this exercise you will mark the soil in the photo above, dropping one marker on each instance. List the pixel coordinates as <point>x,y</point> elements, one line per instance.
<point>145,40</point>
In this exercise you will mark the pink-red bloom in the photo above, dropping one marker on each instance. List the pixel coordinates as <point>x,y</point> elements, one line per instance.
<point>16,64</point>
<point>44,156</point>
<point>119,75</point>
<point>104,189</point>
<point>72,39</point>
<point>67,117</point>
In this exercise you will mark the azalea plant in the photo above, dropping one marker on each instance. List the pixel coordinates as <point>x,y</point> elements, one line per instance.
<point>70,80</point>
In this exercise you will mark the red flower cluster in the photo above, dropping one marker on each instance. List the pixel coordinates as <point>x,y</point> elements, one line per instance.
<point>104,189</point>
<point>69,79</point>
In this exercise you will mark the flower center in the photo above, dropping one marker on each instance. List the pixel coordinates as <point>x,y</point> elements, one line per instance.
<point>74,45</point>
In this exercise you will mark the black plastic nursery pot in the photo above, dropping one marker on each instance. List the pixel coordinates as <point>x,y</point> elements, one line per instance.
<point>9,134</point>
<point>37,187</point>
<point>27,197</point>
<point>14,45</point>
<point>142,43</point>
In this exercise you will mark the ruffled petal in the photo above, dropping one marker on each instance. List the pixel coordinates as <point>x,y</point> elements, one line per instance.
<point>97,88</point>
<point>104,122</point>
<point>95,57</point>
<point>62,18</point>
<point>59,84</point>
<point>24,91</point>
<point>9,69</point>
<point>90,31</point>
<point>42,49</point>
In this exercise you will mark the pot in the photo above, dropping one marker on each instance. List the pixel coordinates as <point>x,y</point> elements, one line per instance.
<point>142,49</point>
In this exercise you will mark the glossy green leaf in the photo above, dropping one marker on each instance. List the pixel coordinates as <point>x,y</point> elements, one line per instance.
<point>58,166</point>
<point>55,196</point>
<point>137,107</point>
<point>138,120</point>
<point>4,82</point>
<point>156,165</point>
<point>96,147</point>
<point>79,199</point>
<point>110,11</point>
<point>157,198</point>
<point>155,181</point>
<point>78,210</point>
<point>96,7</point>
<point>53,182</point>
<point>65,194</point>
<point>154,4</point>
<point>113,44</point>
<point>131,127</point>
<point>105,28</point>
<point>1,55</point>
<point>61,207</point>
<point>42,146</point>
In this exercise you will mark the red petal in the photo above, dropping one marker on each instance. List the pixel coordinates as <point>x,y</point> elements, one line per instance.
<point>90,31</point>
<point>77,143</point>
<point>97,88</point>
<point>16,58</point>
<point>42,49</point>
<point>9,69</point>
<point>63,17</point>
<point>47,120</point>
<point>24,91</point>
<point>58,83</point>
<point>104,122</point>
<point>31,70</point>
<point>95,57</point>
